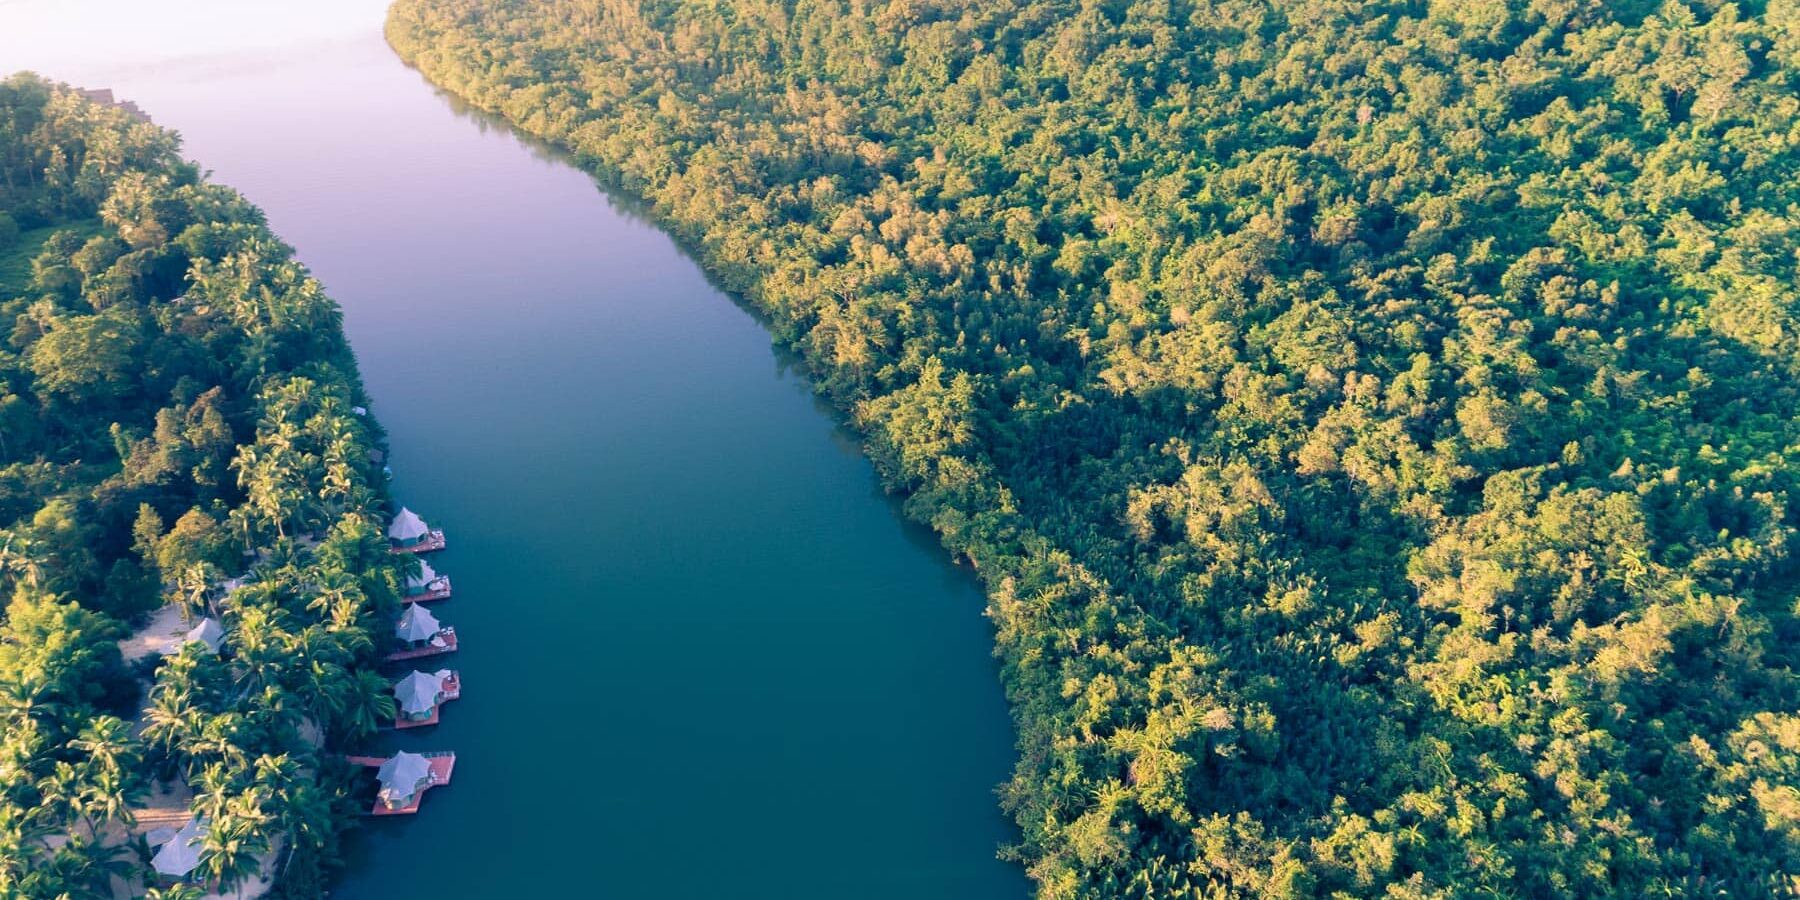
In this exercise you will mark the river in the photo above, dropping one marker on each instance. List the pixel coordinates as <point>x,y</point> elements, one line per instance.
<point>703,655</point>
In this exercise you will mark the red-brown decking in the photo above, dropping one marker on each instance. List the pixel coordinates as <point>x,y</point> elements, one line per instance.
<point>429,649</point>
<point>451,687</point>
<point>443,762</point>
<point>439,589</point>
<point>434,540</point>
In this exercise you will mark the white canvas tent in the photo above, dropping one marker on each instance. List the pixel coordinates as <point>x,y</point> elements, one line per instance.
<point>401,776</point>
<point>418,583</point>
<point>418,693</point>
<point>208,632</point>
<point>416,624</point>
<point>407,527</point>
<point>181,854</point>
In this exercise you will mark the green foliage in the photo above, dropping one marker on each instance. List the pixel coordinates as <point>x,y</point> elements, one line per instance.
<point>1375,421</point>
<point>175,396</point>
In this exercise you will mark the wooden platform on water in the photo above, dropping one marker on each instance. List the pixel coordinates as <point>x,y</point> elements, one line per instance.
<point>439,589</point>
<point>432,542</point>
<point>443,763</point>
<point>452,690</point>
<point>448,635</point>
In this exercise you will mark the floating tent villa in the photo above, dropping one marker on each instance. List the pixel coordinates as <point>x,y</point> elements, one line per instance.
<point>422,635</point>
<point>407,528</point>
<point>419,694</point>
<point>409,534</point>
<point>181,855</point>
<point>420,583</point>
<point>405,777</point>
<point>402,777</point>
<point>427,585</point>
<point>417,625</point>
<point>209,632</point>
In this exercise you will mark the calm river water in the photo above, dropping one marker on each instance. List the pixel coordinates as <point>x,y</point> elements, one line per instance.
<point>703,657</point>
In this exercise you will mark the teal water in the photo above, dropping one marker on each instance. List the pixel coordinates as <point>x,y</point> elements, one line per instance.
<point>703,655</point>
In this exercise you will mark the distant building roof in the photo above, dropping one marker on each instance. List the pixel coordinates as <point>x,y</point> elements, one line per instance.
<point>401,776</point>
<point>416,624</point>
<point>407,526</point>
<point>208,632</point>
<point>418,692</point>
<point>104,97</point>
<point>181,854</point>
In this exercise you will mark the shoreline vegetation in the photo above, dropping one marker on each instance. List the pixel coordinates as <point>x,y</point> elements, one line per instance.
<point>183,439</point>
<point>1374,423</point>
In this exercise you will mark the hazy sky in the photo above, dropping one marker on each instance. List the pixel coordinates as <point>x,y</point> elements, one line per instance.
<point>92,43</point>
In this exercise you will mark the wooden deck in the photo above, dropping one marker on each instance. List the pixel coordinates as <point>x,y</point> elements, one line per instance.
<point>443,763</point>
<point>451,686</point>
<point>438,589</point>
<point>448,635</point>
<point>433,542</point>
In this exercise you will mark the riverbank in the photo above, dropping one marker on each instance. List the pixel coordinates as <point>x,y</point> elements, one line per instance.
<point>674,570</point>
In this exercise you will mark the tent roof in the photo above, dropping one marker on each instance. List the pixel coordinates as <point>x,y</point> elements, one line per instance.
<point>181,854</point>
<point>418,692</point>
<point>400,776</point>
<point>416,624</point>
<point>426,575</point>
<point>407,526</point>
<point>208,632</point>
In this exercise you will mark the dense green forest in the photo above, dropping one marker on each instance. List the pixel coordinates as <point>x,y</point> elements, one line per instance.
<point>179,423</point>
<point>1375,422</point>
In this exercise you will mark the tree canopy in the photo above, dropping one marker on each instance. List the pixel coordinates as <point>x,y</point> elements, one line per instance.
<point>177,426</point>
<point>1375,422</point>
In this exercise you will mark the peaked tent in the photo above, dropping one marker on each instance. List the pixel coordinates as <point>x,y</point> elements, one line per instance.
<point>401,776</point>
<point>417,624</point>
<point>181,854</point>
<point>407,527</point>
<point>418,583</point>
<point>418,693</point>
<point>208,632</point>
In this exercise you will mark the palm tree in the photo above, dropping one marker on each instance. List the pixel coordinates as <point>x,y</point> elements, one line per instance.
<point>260,642</point>
<point>271,716</point>
<point>172,720</point>
<point>233,843</point>
<point>368,702</point>
<point>333,588</point>
<point>108,797</point>
<point>305,813</point>
<point>174,892</point>
<point>242,520</point>
<point>59,795</point>
<point>220,740</point>
<point>194,589</point>
<point>83,868</point>
<point>345,618</point>
<point>17,557</point>
<point>108,743</point>
<point>112,780</point>
<point>22,699</point>
<point>212,790</point>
